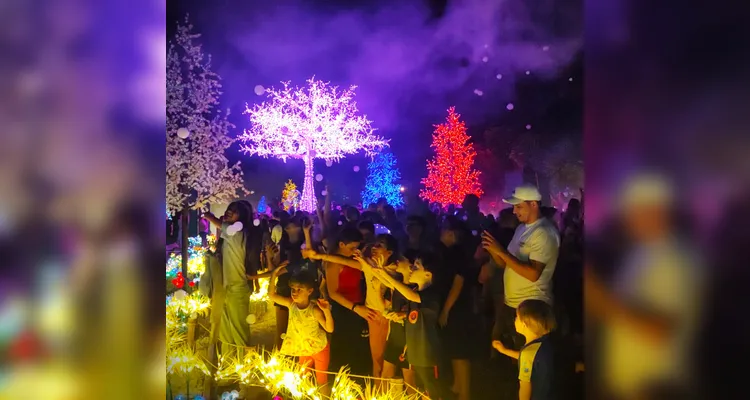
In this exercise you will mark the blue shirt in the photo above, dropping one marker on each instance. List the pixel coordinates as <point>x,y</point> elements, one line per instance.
<point>536,365</point>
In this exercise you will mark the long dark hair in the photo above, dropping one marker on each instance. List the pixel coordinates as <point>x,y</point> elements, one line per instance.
<point>252,236</point>
<point>391,244</point>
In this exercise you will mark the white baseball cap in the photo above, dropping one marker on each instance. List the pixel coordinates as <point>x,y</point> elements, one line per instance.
<point>524,193</point>
<point>646,190</point>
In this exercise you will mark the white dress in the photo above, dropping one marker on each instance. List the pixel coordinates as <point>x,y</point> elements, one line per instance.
<point>304,335</point>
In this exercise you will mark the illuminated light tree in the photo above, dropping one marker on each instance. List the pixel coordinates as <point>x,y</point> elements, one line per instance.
<point>290,196</point>
<point>317,121</point>
<point>198,171</point>
<point>450,174</point>
<point>262,204</point>
<point>381,181</point>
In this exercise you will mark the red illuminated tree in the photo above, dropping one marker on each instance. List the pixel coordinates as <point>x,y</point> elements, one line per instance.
<point>450,174</point>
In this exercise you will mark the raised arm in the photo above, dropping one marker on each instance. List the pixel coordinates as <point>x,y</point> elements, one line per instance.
<point>306,228</point>
<point>327,206</point>
<point>278,299</point>
<point>322,221</point>
<point>212,219</point>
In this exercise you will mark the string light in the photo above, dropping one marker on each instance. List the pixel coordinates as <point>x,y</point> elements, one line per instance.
<point>450,176</point>
<point>196,257</point>
<point>381,181</point>
<point>180,357</point>
<point>317,121</point>
<point>277,373</point>
<point>262,293</point>
<point>281,374</point>
<point>290,196</point>
<point>262,204</point>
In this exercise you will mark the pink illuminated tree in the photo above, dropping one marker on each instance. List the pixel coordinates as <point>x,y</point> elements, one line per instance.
<point>317,121</point>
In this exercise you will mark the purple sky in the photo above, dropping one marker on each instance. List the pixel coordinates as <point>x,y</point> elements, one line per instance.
<point>409,66</point>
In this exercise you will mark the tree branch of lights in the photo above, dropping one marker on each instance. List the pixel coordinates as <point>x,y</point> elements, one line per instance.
<point>198,172</point>
<point>450,174</point>
<point>317,121</point>
<point>381,181</point>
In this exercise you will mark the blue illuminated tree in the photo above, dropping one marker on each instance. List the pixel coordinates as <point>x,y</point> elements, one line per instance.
<point>382,181</point>
<point>262,205</point>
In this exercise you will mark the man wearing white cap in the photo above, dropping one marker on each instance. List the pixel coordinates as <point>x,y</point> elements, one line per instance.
<point>529,261</point>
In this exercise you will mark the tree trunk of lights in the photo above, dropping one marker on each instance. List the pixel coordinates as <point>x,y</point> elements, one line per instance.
<point>185,242</point>
<point>307,202</point>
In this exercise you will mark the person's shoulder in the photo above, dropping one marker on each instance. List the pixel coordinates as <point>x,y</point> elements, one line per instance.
<point>428,295</point>
<point>545,229</point>
<point>530,351</point>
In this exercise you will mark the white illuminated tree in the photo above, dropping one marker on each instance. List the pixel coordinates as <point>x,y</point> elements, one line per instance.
<point>317,121</point>
<point>198,171</point>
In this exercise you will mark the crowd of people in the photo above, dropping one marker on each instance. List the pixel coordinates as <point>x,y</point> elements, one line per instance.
<point>423,298</point>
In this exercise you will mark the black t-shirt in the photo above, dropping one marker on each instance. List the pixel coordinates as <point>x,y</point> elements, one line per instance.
<point>422,340</point>
<point>455,261</point>
<point>397,335</point>
<point>413,253</point>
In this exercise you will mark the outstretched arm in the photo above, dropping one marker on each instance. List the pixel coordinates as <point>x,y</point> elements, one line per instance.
<point>409,293</point>
<point>212,219</point>
<point>500,347</point>
<point>331,258</point>
<point>266,274</point>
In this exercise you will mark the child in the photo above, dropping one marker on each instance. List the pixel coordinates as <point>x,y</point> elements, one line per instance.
<point>306,336</point>
<point>536,360</point>
<point>420,319</point>
<point>239,254</point>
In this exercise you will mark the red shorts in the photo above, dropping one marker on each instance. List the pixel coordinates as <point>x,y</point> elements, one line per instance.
<point>319,362</point>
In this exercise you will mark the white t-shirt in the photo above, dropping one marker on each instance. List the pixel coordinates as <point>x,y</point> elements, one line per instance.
<point>665,278</point>
<point>374,293</point>
<point>233,259</point>
<point>538,241</point>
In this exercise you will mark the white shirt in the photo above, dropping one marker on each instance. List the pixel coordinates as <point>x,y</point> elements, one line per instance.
<point>537,241</point>
<point>664,278</point>
<point>233,259</point>
<point>374,293</point>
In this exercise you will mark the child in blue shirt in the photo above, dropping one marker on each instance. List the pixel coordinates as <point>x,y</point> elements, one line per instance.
<point>535,320</point>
